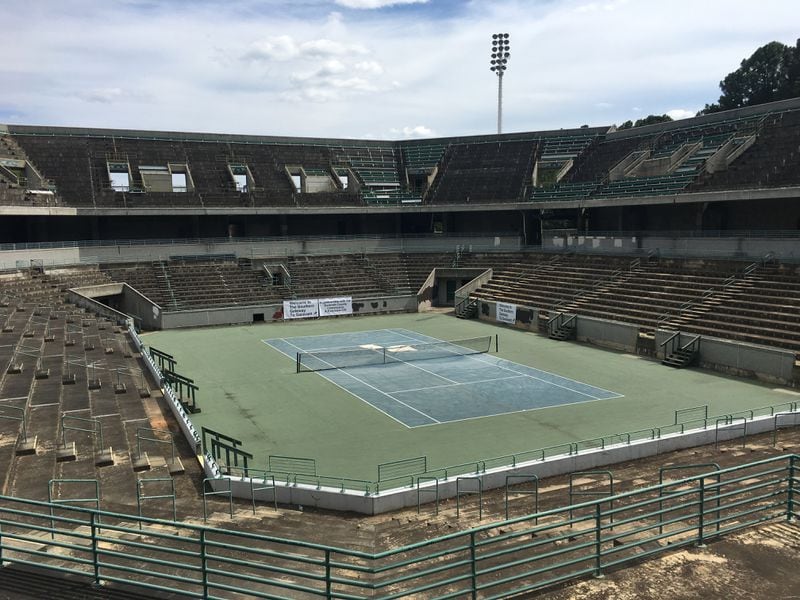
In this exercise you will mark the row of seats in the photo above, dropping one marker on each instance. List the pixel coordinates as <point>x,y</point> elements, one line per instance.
<point>70,371</point>
<point>184,285</point>
<point>483,172</point>
<point>721,299</point>
<point>773,160</point>
<point>589,174</point>
<point>467,171</point>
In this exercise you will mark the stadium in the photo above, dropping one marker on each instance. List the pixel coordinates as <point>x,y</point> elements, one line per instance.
<point>558,363</point>
<point>367,326</point>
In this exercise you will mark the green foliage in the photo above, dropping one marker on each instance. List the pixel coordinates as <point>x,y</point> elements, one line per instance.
<point>771,73</point>
<point>648,120</point>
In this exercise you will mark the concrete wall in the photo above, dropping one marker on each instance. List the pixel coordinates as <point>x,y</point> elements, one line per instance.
<point>527,316</point>
<point>754,247</point>
<point>743,360</point>
<point>182,417</point>
<point>132,304</point>
<point>608,334</point>
<point>144,250</point>
<point>147,314</point>
<point>768,364</point>
<point>238,315</point>
<point>712,247</point>
<point>86,298</point>
<point>591,243</point>
<point>372,502</point>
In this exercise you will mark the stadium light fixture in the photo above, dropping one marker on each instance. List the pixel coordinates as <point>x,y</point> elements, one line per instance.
<point>501,52</point>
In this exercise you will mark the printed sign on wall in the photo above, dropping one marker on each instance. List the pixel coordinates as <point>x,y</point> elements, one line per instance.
<point>300,309</point>
<point>330,307</point>
<point>506,313</point>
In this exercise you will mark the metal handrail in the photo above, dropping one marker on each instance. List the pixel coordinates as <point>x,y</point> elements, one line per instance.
<point>559,543</point>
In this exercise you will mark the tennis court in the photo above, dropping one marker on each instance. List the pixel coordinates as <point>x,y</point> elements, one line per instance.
<point>252,392</point>
<point>419,380</point>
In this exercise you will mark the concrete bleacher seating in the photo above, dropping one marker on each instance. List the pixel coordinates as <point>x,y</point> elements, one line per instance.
<point>483,172</point>
<point>771,161</point>
<point>645,186</point>
<point>62,351</point>
<point>761,308</point>
<point>183,284</point>
<point>715,299</point>
<point>423,157</point>
<point>693,144</point>
<point>346,275</point>
<point>571,165</point>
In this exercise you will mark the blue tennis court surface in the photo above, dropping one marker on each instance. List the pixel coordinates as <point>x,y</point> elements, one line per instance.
<point>438,390</point>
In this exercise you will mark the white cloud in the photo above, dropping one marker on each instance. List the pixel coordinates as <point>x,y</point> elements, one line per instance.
<point>417,131</point>
<point>257,67</point>
<point>371,4</point>
<point>325,47</point>
<point>104,95</point>
<point>279,48</point>
<point>370,66</point>
<point>680,113</point>
<point>109,95</point>
<point>325,71</point>
<point>285,48</point>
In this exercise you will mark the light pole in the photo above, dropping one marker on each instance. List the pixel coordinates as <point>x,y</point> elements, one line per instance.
<point>501,47</point>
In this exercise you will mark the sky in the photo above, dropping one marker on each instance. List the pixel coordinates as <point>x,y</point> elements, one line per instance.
<point>371,69</point>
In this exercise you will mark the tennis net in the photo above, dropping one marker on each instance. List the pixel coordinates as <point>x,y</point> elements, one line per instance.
<point>342,358</point>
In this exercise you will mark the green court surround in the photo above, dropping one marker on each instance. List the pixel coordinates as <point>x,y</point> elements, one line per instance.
<point>252,392</point>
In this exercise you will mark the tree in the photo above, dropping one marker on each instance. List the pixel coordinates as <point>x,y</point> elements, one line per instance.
<point>648,120</point>
<point>771,73</point>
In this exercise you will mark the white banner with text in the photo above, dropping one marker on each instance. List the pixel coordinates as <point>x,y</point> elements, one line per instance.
<point>331,307</point>
<point>300,309</point>
<point>506,313</point>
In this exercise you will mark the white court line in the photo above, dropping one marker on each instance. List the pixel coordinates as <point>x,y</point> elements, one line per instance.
<point>481,360</point>
<point>416,366</point>
<point>437,387</point>
<point>370,386</point>
<point>614,394</point>
<point>515,412</point>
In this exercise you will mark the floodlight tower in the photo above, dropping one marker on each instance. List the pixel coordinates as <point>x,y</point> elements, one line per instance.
<point>501,51</point>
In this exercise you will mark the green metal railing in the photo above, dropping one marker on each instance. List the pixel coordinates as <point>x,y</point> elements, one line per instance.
<point>489,562</point>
